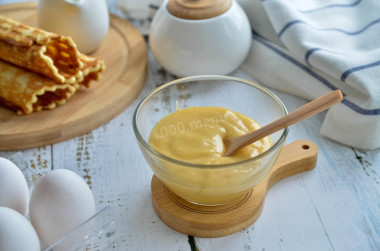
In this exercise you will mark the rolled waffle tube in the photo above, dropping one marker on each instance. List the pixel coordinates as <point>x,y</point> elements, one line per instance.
<point>26,92</point>
<point>46,53</point>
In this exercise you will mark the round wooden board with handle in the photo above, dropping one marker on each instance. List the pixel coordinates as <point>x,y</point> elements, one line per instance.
<point>125,55</point>
<point>218,221</point>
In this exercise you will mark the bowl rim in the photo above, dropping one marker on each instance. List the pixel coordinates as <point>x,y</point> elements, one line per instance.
<point>146,146</point>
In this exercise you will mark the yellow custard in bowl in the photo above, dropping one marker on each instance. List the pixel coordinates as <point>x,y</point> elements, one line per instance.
<point>196,134</point>
<point>184,148</point>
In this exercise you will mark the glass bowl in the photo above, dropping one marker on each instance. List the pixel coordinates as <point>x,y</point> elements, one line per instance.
<point>209,184</point>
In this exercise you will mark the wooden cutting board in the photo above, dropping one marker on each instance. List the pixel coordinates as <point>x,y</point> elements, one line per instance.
<point>125,55</point>
<point>218,221</point>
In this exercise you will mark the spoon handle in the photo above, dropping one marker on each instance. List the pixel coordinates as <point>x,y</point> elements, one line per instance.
<point>314,107</point>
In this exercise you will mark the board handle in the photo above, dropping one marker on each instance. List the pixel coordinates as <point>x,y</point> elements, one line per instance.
<point>294,158</point>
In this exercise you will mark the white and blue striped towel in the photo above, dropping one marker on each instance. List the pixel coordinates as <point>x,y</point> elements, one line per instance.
<point>310,47</point>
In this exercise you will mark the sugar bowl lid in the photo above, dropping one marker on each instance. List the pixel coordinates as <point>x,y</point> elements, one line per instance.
<point>198,9</point>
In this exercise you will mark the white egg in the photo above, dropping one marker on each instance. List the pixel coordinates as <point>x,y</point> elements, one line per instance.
<point>16,232</point>
<point>60,201</point>
<point>14,191</point>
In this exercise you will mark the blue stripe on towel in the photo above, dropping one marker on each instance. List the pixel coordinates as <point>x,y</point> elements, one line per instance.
<point>318,77</point>
<point>358,68</point>
<point>351,33</point>
<point>312,50</point>
<point>339,5</point>
<point>359,109</point>
<point>288,25</point>
<point>153,6</point>
<point>309,52</point>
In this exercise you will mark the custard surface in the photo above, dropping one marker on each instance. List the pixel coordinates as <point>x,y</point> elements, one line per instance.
<point>196,134</point>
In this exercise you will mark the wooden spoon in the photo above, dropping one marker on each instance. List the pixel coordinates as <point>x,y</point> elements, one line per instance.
<point>314,107</point>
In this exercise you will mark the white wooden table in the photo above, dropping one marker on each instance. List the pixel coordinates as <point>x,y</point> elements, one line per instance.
<point>336,206</point>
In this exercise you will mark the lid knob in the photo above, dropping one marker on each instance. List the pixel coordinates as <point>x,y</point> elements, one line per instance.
<point>198,9</point>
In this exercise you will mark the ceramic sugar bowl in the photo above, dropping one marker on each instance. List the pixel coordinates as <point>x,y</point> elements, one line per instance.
<point>197,37</point>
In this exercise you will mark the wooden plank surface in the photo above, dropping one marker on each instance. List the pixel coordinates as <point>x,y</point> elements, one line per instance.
<point>333,207</point>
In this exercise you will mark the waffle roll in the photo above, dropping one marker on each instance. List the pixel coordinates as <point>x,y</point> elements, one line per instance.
<point>49,54</point>
<point>90,70</point>
<point>39,69</point>
<point>26,92</point>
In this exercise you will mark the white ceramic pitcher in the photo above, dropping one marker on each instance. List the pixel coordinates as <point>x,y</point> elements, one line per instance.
<point>85,21</point>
